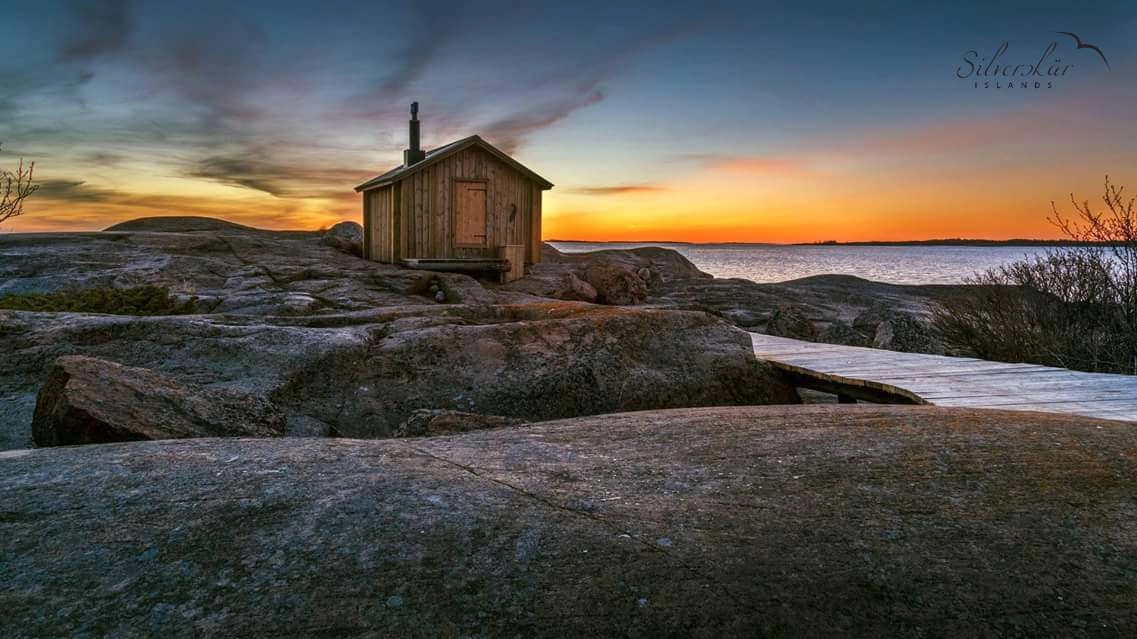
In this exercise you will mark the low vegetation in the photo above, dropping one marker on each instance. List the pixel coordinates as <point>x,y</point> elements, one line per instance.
<point>138,300</point>
<point>1075,307</point>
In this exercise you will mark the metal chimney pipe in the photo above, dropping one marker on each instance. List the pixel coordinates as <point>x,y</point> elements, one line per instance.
<point>414,153</point>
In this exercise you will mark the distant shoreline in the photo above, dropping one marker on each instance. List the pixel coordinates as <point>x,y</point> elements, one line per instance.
<point>956,242</point>
<point>943,242</point>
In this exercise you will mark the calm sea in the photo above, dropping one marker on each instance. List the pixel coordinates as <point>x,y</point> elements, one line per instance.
<point>778,263</point>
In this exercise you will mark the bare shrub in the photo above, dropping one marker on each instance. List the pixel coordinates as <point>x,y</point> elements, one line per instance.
<point>15,187</point>
<point>1075,307</point>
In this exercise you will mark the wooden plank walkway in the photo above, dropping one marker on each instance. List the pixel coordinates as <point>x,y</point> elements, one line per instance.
<point>870,374</point>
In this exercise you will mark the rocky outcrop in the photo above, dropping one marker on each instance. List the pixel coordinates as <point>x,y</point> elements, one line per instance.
<point>843,309</point>
<point>364,373</point>
<point>881,327</point>
<point>177,224</point>
<point>235,352</point>
<point>227,268</point>
<point>908,335</point>
<point>567,286</point>
<point>867,320</point>
<point>789,320</point>
<point>866,521</point>
<point>275,304</point>
<point>843,333</point>
<point>653,264</point>
<point>427,422</point>
<point>537,361</point>
<point>346,237</point>
<point>562,284</point>
<point>575,289</point>
<point>461,289</point>
<point>92,401</point>
<point>615,277</point>
<point>615,285</point>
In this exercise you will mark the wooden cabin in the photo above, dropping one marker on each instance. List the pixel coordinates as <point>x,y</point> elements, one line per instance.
<point>465,206</point>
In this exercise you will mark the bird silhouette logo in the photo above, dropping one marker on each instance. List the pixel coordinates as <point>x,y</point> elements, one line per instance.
<point>1083,45</point>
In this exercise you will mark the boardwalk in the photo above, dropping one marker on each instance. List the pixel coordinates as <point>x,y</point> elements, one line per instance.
<point>887,376</point>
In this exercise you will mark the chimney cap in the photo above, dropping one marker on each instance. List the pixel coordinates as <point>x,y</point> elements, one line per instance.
<point>414,109</point>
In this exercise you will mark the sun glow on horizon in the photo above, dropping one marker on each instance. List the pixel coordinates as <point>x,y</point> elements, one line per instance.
<point>906,183</point>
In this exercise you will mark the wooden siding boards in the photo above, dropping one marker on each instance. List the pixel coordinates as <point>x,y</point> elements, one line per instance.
<point>414,216</point>
<point>378,222</point>
<point>367,234</point>
<point>535,229</point>
<point>387,224</point>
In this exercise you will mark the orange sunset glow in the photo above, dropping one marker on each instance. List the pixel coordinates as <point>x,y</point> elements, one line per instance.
<point>648,138</point>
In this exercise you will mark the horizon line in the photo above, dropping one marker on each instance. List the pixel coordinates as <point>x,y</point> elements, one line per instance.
<point>941,241</point>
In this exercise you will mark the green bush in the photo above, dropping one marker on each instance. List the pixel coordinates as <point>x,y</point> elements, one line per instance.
<point>137,300</point>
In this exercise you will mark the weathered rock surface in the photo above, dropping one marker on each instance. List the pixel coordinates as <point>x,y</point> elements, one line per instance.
<point>566,285</point>
<point>179,224</point>
<point>839,332</point>
<point>273,304</point>
<point>429,422</point>
<point>236,352</point>
<point>789,320</point>
<point>537,361</point>
<point>576,289</point>
<point>738,522</point>
<point>614,285</point>
<point>228,268</point>
<point>617,277</point>
<point>364,373</point>
<point>840,301</point>
<point>907,334</point>
<point>92,401</point>
<point>346,237</point>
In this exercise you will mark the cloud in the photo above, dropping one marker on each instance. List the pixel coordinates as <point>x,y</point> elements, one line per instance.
<point>433,26</point>
<point>104,158</point>
<point>213,66</point>
<point>531,102</point>
<point>509,133</point>
<point>618,189</point>
<point>219,95</point>
<point>67,204</point>
<point>254,169</point>
<point>96,28</point>
<point>72,191</point>
<point>29,79</point>
<point>577,86</point>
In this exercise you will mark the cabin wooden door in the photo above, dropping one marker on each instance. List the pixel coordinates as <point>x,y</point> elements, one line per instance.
<point>469,214</point>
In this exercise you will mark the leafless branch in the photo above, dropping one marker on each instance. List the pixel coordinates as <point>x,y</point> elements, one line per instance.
<point>1076,307</point>
<point>15,187</point>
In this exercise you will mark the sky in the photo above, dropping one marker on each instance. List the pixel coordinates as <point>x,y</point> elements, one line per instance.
<point>700,122</point>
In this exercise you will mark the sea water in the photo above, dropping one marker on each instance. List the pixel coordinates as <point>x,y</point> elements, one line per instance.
<point>779,263</point>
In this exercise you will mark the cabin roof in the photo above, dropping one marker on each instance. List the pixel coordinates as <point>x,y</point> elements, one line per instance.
<point>436,154</point>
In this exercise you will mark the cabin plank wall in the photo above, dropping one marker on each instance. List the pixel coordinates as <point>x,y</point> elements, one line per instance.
<point>401,222</point>
<point>367,226</point>
<point>535,228</point>
<point>373,230</point>
<point>387,250</point>
<point>414,218</point>
<point>378,221</point>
